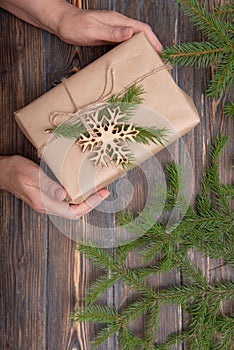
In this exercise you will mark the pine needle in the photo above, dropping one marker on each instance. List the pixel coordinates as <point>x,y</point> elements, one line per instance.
<point>69,130</point>
<point>204,228</point>
<point>133,95</point>
<point>155,135</point>
<point>217,51</point>
<point>125,103</point>
<point>229,109</point>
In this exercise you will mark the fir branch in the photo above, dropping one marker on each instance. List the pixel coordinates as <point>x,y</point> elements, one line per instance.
<point>225,329</point>
<point>152,324</point>
<point>211,181</point>
<point>192,273</point>
<point>223,78</point>
<point>229,109</point>
<point>115,113</point>
<point>105,333</point>
<point>69,130</point>
<point>136,309</point>
<point>173,339</point>
<point>96,313</point>
<point>131,279</point>
<point>128,101</point>
<point>149,270</point>
<point>99,256</point>
<point>204,313</point>
<point>131,98</point>
<point>98,288</point>
<point>127,340</point>
<point>224,11</point>
<point>216,52</point>
<point>229,190</point>
<point>185,294</point>
<point>174,182</point>
<point>105,261</point>
<point>216,149</point>
<point>208,229</point>
<point>202,54</point>
<point>206,21</point>
<point>147,135</point>
<point>130,164</point>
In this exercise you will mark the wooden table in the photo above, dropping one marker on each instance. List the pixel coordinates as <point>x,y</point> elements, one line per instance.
<point>42,276</point>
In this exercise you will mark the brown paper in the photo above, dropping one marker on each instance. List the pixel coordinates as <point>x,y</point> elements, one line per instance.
<point>165,105</point>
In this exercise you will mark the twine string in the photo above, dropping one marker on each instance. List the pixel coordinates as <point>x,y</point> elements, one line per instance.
<point>105,96</point>
<point>81,112</point>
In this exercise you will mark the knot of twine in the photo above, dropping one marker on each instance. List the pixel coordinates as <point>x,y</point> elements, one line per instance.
<point>102,99</point>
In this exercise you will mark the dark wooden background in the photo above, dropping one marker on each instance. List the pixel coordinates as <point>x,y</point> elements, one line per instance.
<point>42,276</point>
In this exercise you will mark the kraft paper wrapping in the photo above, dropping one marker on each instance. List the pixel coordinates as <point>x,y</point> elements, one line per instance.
<point>165,105</point>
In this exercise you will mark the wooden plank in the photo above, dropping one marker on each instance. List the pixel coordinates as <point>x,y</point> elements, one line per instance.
<point>213,123</point>
<point>159,15</point>
<point>42,277</point>
<point>69,273</point>
<point>23,232</point>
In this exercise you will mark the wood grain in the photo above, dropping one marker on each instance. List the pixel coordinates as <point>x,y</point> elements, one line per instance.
<point>23,233</point>
<point>42,277</point>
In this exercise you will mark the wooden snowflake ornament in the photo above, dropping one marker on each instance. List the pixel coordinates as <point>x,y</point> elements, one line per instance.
<point>108,136</point>
<point>105,129</point>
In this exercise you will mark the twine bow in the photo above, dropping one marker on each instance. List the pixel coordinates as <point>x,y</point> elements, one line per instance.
<point>57,118</point>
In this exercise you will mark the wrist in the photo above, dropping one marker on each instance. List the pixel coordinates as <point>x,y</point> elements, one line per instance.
<point>51,15</point>
<point>62,14</point>
<point>58,10</point>
<point>45,14</point>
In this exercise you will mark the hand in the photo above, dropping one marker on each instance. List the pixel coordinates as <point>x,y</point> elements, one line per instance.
<point>27,181</point>
<point>82,27</point>
<point>76,26</point>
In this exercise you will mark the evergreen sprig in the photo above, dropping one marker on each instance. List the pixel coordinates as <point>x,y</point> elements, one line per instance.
<point>229,109</point>
<point>127,102</point>
<point>208,228</point>
<point>69,130</point>
<point>224,11</point>
<point>153,134</point>
<point>218,51</point>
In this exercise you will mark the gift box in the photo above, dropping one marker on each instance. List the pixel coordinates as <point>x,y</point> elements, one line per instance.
<point>164,105</point>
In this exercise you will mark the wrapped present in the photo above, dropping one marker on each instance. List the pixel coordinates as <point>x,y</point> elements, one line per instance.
<point>88,134</point>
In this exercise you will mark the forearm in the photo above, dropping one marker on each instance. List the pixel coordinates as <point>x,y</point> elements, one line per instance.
<point>76,26</point>
<point>44,14</point>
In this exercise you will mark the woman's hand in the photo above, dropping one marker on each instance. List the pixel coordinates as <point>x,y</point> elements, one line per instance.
<point>21,176</point>
<point>76,26</point>
<point>82,27</point>
<point>27,181</point>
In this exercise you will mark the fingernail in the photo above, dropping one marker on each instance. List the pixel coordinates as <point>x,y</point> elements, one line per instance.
<point>126,31</point>
<point>59,194</point>
<point>159,46</point>
<point>104,194</point>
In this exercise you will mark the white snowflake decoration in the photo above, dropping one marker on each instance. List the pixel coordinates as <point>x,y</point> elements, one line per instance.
<point>108,136</point>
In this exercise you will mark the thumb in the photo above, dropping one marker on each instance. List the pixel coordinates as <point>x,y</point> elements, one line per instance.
<point>115,33</point>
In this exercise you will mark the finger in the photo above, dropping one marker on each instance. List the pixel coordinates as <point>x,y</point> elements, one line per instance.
<point>156,44</point>
<point>153,40</point>
<point>50,187</point>
<point>56,207</point>
<point>114,34</point>
<point>118,19</point>
<point>90,203</point>
<point>63,209</point>
<point>143,27</point>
